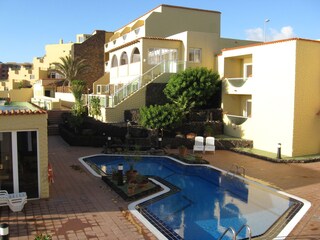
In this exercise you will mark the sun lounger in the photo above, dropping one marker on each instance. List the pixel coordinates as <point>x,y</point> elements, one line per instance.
<point>210,146</point>
<point>15,201</point>
<point>198,144</point>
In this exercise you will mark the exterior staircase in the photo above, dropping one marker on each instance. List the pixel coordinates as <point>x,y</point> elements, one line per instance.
<point>133,94</point>
<point>54,119</point>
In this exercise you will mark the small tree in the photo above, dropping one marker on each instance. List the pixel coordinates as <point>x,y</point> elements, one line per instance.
<point>192,87</point>
<point>95,107</point>
<point>160,116</point>
<point>77,88</point>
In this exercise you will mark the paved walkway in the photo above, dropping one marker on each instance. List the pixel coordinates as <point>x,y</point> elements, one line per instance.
<point>83,207</point>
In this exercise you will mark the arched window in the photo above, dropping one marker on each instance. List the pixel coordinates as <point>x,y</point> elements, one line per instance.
<point>124,59</point>
<point>114,62</point>
<point>135,56</point>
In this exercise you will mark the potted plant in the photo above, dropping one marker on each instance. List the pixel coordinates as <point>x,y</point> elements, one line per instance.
<point>131,187</point>
<point>132,161</point>
<point>208,130</point>
<point>142,181</point>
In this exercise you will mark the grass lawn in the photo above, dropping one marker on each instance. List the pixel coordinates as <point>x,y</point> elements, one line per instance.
<point>273,156</point>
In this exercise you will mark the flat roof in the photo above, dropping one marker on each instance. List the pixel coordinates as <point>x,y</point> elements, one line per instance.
<point>272,42</point>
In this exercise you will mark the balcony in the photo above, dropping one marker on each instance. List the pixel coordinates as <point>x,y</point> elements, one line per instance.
<point>237,120</point>
<point>126,36</point>
<point>238,126</point>
<point>239,85</point>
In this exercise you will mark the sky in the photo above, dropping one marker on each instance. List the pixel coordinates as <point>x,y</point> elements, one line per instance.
<point>27,26</point>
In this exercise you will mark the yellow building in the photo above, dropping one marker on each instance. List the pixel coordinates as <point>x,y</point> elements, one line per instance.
<point>271,95</point>
<point>24,150</point>
<point>149,49</point>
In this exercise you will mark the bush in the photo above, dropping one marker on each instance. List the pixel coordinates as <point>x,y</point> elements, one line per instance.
<point>160,116</point>
<point>192,87</point>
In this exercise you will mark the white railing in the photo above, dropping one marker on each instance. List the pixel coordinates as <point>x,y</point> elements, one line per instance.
<point>139,82</point>
<point>238,120</point>
<point>237,82</point>
<point>43,103</point>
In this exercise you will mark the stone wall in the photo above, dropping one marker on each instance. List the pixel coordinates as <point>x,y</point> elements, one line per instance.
<point>93,51</point>
<point>155,95</point>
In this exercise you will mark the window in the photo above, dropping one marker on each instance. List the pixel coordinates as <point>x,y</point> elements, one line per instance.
<point>47,93</point>
<point>135,56</point>
<point>124,59</point>
<point>248,108</point>
<point>52,75</point>
<point>102,89</point>
<point>158,55</point>
<point>19,162</point>
<point>194,55</point>
<point>136,31</point>
<point>247,70</point>
<point>114,62</point>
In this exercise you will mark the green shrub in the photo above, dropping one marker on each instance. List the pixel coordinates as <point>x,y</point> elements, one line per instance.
<point>192,87</point>
<point>43,237</point>
<point>160,116</point>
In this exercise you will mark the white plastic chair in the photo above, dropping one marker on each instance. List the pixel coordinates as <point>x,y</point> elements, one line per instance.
<point>15,201</point>
<point>4,198</point>
<point>198,144</point>
<point>210,146</point>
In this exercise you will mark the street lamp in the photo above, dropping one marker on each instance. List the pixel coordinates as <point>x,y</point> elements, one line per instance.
<point>279,151</point>
<point>120,174</point>
<point>264,30</point>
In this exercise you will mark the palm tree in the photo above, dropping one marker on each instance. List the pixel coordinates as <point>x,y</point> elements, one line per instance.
<point>77,88</point>
<point>69,68</point>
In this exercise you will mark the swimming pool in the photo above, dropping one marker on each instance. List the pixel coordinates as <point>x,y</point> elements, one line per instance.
<point>207,201</point>
<point>16,106</point>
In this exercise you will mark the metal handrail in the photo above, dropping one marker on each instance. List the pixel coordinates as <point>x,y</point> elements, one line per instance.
<point>137,83</point>
<point>234,236</point>
<point>247,228</point>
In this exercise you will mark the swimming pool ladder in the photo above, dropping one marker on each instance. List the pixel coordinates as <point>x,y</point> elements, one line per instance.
<point>236,169</point>
<point>235,234</point>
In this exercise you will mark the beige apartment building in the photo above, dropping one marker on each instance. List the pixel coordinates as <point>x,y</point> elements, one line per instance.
<point>271,95</point>
<point>149,49</point>
<point>87,46</point>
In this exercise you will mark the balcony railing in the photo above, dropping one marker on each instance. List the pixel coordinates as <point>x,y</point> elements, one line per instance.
<point>237,82</point>
<point>139,82</point>
<point>237,120</point>
<point>239,85</point>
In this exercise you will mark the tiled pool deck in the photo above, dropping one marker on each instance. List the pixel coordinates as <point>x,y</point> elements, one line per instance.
<point>83,207</point>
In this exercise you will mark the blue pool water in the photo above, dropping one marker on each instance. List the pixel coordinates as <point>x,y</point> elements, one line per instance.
<point>208,201</point>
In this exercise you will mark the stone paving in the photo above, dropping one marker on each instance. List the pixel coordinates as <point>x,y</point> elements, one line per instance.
<point>81,206</point>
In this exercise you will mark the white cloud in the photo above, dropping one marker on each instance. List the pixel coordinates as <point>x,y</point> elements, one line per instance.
<point>257,34</point>
<point>254,34</point>
<point>285,32</point>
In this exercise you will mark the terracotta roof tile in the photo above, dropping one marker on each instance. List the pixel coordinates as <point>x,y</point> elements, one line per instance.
<point>21,112</point>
